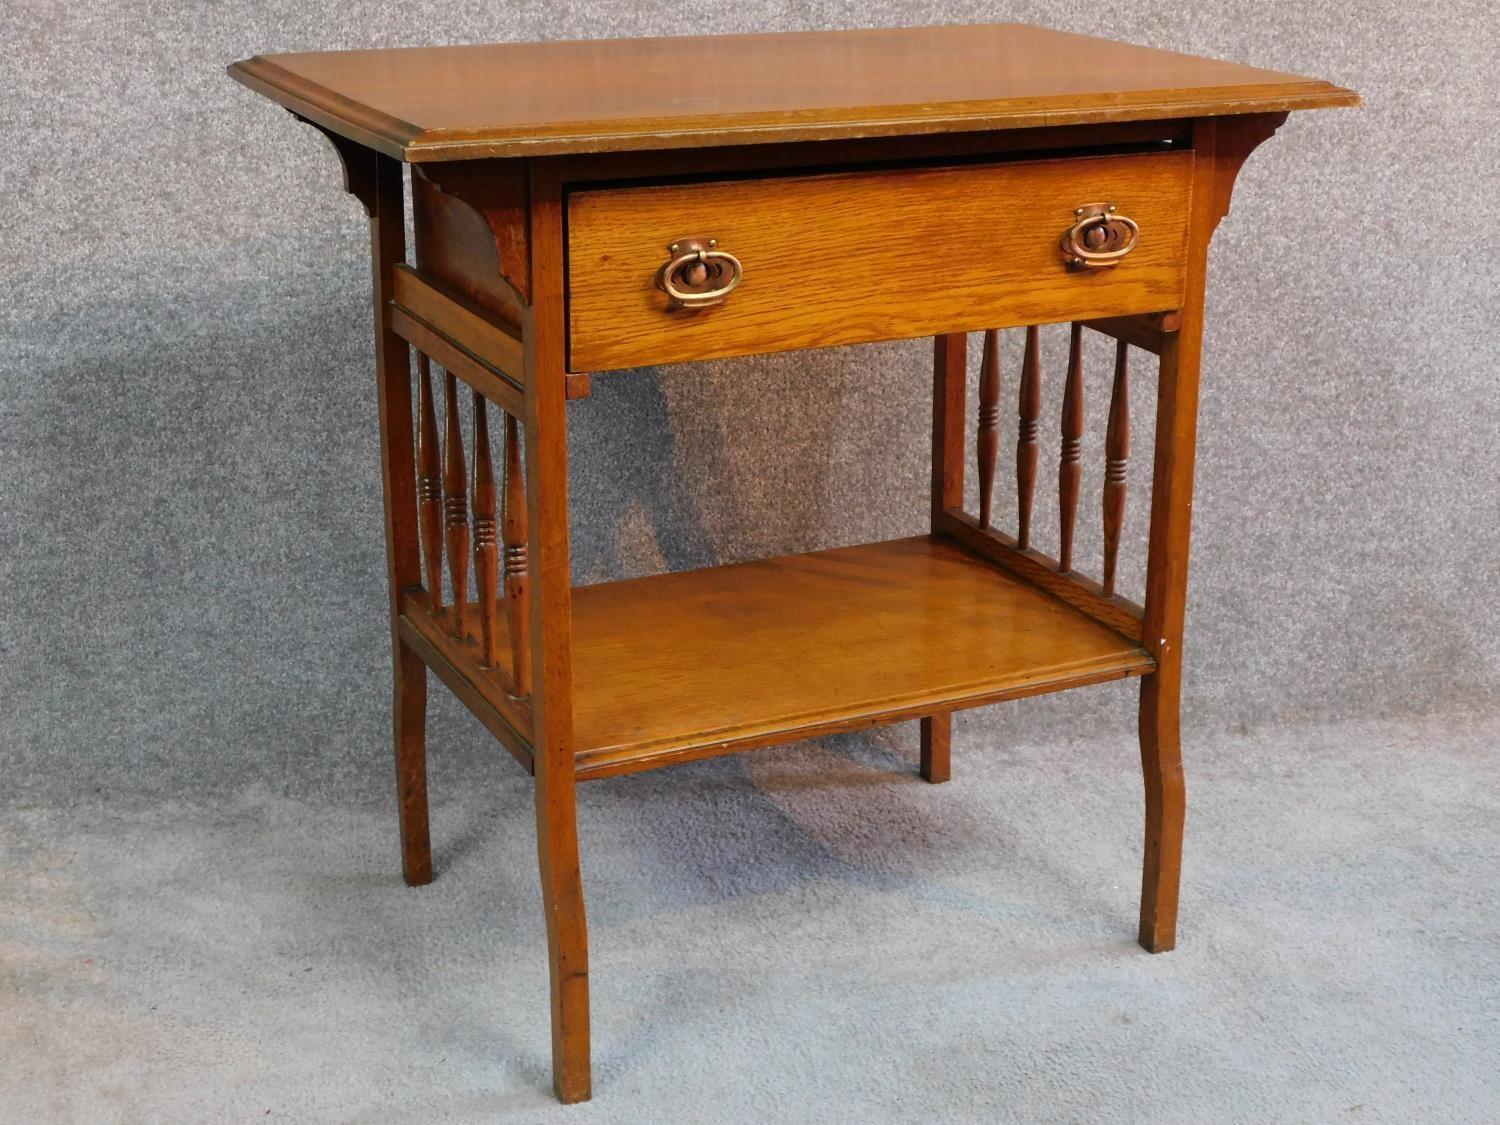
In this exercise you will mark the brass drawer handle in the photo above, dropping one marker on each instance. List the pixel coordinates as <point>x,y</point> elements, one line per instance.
<point>1100,237</point>
<point>697,275</point>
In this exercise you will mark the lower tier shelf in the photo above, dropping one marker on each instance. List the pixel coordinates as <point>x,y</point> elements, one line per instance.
<point>679,666</point>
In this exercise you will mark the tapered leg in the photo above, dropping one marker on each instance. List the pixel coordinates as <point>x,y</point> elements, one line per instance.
<point>1167,555</point>
<point>377,181</point>
<point>937,742</point>
<point>411,765</point>
<point>549,588</point>
<point>1166,582</point>
<point>1166,807</point>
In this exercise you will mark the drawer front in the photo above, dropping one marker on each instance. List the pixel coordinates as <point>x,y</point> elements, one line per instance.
<point>854,257</point>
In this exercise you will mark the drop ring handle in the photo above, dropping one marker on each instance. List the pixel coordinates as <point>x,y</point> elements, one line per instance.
<point>719,275</point>
<point>1112,236</point>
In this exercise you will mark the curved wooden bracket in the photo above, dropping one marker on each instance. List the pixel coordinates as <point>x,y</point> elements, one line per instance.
<point>357,161</point>
<point>497,192</point>
<point>1235,138</point>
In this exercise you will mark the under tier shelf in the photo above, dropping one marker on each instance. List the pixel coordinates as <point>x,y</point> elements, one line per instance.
<point>679,666</point>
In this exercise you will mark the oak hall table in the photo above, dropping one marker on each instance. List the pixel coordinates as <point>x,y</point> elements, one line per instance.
<point>583,207</point>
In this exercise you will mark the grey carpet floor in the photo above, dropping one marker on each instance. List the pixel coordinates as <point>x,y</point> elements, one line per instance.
<point>807,933</point>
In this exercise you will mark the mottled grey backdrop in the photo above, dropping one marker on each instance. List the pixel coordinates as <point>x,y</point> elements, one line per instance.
<point>188,490</point>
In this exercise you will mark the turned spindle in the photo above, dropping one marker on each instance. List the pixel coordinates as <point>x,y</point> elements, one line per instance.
<point>1069,470</point>
<point>455,507</point>
<point>988,438</point>
<point>1026,442</point>
<point>486,547</point>
<point>429,482</point>
<point>517,609</point>
<point>1116,454</point>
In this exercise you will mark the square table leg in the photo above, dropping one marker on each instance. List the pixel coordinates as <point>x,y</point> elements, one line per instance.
<point>937,745</point>
<point>377,181</point>
<point>546,449</point>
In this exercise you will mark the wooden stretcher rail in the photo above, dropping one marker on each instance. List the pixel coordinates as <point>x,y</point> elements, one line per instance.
<point>1120,614</point>
<point>1144,331</point>
<point>452,356</point>
<point>488,339</point>
<point>508,719</point>
<point>593,765</point>
<point>480,349</point>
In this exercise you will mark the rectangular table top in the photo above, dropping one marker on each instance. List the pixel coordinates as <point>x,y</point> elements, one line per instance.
<point>516,99</point>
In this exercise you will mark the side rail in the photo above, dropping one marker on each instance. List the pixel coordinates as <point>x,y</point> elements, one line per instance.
<point>1016,553</point>
<point>470,527</point>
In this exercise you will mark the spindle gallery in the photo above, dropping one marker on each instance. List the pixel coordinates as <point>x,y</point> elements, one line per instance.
<point>1070,469</point>
<point>574,216</point>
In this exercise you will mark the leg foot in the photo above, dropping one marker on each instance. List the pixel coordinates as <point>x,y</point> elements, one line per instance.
<point>1166,807</point>
<point>937,739</point>
<point>411,766</point>
<point>567,940</point>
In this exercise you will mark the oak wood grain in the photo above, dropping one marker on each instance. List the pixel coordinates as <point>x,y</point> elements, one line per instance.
<point>1222,148</point>
<point>379,179</point>
<point>1219,155</point>
<point>877,185</point>
<point>454,359</point>
<point>458,248</point>
<point>456,661</point>
<point>949,389</point>
<point>496,193</point>
<point>515,99</point>
<point>550,602</point>
<point>856,257</point>
<point>477,685</point>
<point>482,334</point>
<point>1042,571</point>
<point>757,652</point>
<point>615,766</point>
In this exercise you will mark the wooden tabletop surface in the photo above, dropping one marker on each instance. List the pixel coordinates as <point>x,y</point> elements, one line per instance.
<point>512,99</point>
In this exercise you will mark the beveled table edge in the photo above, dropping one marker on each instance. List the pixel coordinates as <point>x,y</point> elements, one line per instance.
<point>407,142</point>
